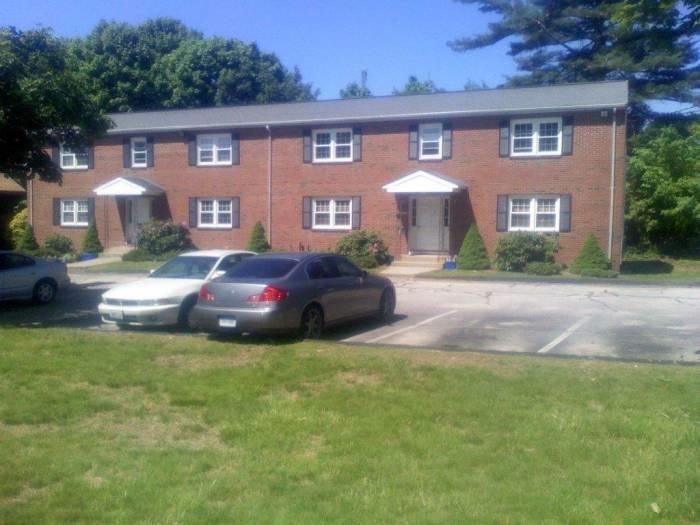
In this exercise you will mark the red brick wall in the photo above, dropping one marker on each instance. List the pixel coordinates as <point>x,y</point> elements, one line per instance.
<point>585,174</point>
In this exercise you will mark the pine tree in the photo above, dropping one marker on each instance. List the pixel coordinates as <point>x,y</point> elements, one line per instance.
<point>91,243</point>
<point>27,242</point>
<point>591,257</point>
<point>257,242</point>
<point>472,254</point>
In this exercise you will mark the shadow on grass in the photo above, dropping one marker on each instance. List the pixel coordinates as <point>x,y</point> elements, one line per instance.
<point>646,267</point>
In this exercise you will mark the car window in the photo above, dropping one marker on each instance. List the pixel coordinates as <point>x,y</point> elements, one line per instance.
<point>346,268</point>
<point>185,268</point>
<point>322,268</point>
<point>10,261</point>
<point>254,268</point>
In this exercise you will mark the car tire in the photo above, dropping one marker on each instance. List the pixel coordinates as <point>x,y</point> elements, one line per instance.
<point>44,291</point>
<point>387,306</point>
<point>311,326</point>
<point>183,317</point>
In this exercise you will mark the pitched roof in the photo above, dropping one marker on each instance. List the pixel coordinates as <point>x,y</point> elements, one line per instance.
<point>7,185</point>
<point>508,101</point>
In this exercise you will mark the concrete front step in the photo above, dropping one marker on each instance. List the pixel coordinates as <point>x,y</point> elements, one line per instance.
<point>414,264</point>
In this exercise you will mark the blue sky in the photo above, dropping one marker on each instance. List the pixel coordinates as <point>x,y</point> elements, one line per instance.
<point>330,41</point>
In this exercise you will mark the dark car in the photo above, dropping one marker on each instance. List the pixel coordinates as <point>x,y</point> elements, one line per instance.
<point>292,292</point>
<point>24,276</point>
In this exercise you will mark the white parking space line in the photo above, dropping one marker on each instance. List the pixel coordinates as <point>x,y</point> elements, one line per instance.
<point>408,328</point>
<point>578,324</point>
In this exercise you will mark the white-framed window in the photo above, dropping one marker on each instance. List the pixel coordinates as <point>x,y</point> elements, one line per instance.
<point>536,136</point>
<point>214,150</point>
<point>214,213</point>
<point>74,212</point>
<point>533,213</point>
<point>332,214</point>
<point>332,145</point>
<point>430,141</point>
<point>74,158</point>
<point>139,152</point>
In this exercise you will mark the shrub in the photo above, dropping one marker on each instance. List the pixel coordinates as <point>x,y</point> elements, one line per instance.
<point>515,250</point>
<point>543,268</point>
<point>57,245</point>
<point>257,241</point>
<point>17,226</point>
<point>472,255</point>
<point>591,257</point>
<point>364,247</point>
<point>598,273</point>
<point>27,241</point>
<point>160,237</point>
<point>91,242</point>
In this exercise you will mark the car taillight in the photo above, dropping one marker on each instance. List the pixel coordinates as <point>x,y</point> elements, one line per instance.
<point>206,295</point>
<point>269,295</point>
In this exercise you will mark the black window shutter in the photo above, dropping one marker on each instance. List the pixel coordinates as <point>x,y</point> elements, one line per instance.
<point>502,213</point>
<point>56,155</point>
<point>567,136</point>
<point>356,144</point>
<point>150,159</point>
<point>413,142</point>
<point>356,212</point>
<point>192,151</point>
<point>235,212</point>
<point>126,152</point>
<point>235,149</point>
<point>91,210</point>
<point>91,157</point>
<point>565,213</point>
<point>504,142</point>
<point>193,212</point>
<point>306,213</point>
<point>57,212</point>
<point>447,141</point>
<point>307,153</point>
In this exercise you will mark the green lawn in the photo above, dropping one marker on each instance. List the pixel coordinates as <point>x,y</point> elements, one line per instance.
<point>154,428</point>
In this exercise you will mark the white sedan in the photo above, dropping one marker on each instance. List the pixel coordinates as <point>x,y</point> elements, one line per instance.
<point>168,294</point>
<point>26,277</point>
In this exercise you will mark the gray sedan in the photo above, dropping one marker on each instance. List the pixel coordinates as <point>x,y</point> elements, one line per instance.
<point>294,292</point>
<point>24,276</point>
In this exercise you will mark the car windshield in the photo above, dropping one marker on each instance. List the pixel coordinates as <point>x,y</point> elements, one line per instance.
<point>262,268</point>
<point>185,267</point>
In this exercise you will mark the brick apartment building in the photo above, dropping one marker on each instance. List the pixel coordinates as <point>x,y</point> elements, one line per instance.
<point>417,169</point>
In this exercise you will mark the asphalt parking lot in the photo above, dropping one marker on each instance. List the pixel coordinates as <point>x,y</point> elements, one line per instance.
<point>610,320</point>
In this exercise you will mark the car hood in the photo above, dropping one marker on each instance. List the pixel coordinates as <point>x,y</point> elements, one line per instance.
<point>154,288</point>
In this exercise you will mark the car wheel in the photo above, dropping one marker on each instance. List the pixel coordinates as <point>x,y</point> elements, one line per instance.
<point>44,291</point>
<point>183,317</point>
<point>387,305</point>
<point>311,323</point>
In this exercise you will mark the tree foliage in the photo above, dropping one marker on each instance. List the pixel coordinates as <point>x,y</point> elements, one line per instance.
<point>418,87</point>
<point>472,255</point>
<point>163,64</point>
<point>663,189</point>
<point>355,90</point>
<point>651,43</point>
<point>257,242</point>
<point>43,100</point>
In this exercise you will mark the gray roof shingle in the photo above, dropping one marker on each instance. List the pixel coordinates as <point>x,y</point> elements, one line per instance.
<point>510,101</point>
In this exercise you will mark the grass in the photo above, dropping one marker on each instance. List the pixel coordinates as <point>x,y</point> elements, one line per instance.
<point>151,428</point>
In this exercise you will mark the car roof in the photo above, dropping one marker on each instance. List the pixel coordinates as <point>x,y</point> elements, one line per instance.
<point>213,253</point>
<point>297,256</point>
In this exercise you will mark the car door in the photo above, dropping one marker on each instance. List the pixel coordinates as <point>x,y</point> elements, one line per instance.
<point>363,297</point>
<point>18,274</point>
<point>328,288</point>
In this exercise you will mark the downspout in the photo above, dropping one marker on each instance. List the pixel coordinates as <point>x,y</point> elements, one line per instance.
<point>269,184</point>
<point>612,182</point>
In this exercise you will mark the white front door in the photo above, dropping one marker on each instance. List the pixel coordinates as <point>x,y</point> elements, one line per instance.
<point>428,223</point>
<point>138,211</point>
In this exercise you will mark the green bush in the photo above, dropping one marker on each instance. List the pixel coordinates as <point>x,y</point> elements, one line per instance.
<point>27,241</point>
<point>515,250</point>
<point>542,268</point>
<point>591,257</point>
<point>57,245</point>
<point>364,247</point>
<point>160,237</point>
<point>257,242</point>
<point>472,255</point>
<point>17,226</point>
<point>91,242</point>
<point>598,273</point>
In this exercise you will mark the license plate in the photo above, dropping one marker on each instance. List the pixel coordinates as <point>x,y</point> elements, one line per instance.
<point>116,315</point>
<point>227,322</point>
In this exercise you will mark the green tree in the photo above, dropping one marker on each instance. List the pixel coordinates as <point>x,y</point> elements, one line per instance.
<point>257,242</point>
<point>43,100</point>
<point>472,255</point>
<point>663,189</point>
<point>27,241</point>
<point>590,258</point>
<point>91,242</point>
<point>417,87</point>
<point>355,90</point>
<point>651,43</point>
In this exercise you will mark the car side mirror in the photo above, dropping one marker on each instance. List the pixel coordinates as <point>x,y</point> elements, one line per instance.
<point>218,273</point>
